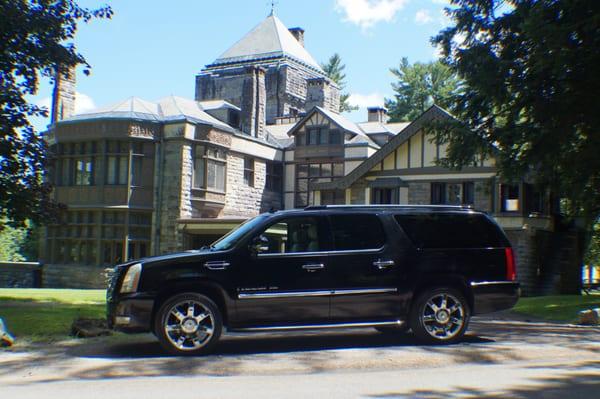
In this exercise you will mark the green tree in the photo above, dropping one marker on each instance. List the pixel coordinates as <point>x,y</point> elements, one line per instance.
<point>335,71</point>
<point>35,38</point>
<point>530,72</point>
<point>12,241</point>
<point>419,86</point>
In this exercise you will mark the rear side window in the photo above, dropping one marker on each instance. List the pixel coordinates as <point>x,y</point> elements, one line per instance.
<point>451,231</point>
<point>357,232</point>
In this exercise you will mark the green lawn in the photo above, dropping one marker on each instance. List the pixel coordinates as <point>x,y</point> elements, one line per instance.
<point>562,308</point>
<point>47,314</point>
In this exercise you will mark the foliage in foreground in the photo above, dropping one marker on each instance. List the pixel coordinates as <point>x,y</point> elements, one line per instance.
<point>530,73</point>
<point>35,40</point>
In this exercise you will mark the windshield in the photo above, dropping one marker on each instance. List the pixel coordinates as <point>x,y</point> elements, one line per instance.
<point>235,235</point>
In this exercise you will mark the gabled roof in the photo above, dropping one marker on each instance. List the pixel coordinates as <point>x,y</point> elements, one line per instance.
<point>269,39</point>
<point>338,119</point>
<point>432,113</point>
<point>174,108</point>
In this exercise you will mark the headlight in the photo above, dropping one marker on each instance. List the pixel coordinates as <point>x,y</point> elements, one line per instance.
<point>131,279</point>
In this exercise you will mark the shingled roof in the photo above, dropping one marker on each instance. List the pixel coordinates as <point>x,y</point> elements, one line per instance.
<point>269,39</point>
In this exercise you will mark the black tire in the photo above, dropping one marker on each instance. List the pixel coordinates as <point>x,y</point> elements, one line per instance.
<point>188,324</point>
<point>395,330</point>
<point>447,324</point>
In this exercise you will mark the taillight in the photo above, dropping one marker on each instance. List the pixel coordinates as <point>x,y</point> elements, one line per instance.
<point>511,271</point>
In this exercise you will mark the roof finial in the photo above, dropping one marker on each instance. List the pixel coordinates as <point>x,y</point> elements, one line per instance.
<point>273,4</point>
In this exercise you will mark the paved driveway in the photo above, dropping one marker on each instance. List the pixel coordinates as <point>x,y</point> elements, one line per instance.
<point>498,358</point>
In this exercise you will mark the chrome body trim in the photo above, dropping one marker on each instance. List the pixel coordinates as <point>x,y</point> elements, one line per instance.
<point>480,283</point>
<point>396,323</point>
<point>322,253</point>
<point>291,294</point>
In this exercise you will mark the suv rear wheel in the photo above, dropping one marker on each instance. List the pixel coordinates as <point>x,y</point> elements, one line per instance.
<point>440,316</point>
<point>188,324</point>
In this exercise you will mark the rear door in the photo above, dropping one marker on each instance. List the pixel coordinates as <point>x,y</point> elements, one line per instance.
<point>286,281</point>
<point>364,270</point>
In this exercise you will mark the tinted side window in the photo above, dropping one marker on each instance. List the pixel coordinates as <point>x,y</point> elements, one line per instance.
<point>304,234</point>
<point>357,232</point>
<point>451,231</point>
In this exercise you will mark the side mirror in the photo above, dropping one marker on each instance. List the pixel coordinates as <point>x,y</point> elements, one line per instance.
<point>259,244</point>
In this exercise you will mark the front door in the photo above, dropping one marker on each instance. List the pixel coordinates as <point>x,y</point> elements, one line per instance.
<point>365,270</point>
<point>284,280</point>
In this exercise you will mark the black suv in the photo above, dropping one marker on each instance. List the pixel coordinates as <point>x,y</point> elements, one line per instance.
<point>427,268</point>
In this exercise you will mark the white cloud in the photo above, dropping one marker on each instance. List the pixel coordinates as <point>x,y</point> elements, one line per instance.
<point>83,103</point>
<point>367,13</point>
<point>366,100</point>
<point>423,17</point>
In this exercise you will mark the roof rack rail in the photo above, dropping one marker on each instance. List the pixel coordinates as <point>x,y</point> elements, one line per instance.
<point>317,207</point>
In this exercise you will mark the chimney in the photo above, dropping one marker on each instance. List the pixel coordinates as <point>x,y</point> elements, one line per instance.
<point>377,114</point>
<point>298,33</point>
<point>322,92</point>
<point>254,99</point>
<point>63,95</point>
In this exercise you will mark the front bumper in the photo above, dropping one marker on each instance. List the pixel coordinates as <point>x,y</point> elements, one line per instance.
<point>130,315</point>
<point>493,296</point>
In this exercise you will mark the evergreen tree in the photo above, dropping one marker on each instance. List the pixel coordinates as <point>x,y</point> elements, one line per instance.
<point>530,73</point>
<point>419,86</point>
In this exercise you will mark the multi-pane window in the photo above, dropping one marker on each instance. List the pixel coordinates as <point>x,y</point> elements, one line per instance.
<point>117,162</point>
<point>460,193</point>
<point>92,237</point>
<point>209,168</point>
<point>385,195</point>
<point>319,135</point>
<point>509,198</point>
<point>249,171</point>
<point>274,175</point>
<point>75,164</point>
<point>314,172</point>
<point>438,193</point>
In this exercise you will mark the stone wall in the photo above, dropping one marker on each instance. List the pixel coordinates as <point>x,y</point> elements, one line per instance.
<point>75,276</point>
<point>176,168</point>
<point>548,263</point>
<point>243,200</point>
<point>419,193</point>
<point>285,87</point>
<point>20,274</point>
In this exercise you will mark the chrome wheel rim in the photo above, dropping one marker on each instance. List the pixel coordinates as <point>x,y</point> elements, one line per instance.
<point>189,325</point>
<point>443,316</point>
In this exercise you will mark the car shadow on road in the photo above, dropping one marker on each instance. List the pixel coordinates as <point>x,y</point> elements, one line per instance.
<point>240,344</point>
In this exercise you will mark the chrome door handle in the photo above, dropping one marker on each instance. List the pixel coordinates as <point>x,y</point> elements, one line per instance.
<point>311,267</point>
<point>216,265</point>
<point>383,264</point>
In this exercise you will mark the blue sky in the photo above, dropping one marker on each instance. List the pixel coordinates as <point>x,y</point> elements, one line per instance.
<point>153,48</point>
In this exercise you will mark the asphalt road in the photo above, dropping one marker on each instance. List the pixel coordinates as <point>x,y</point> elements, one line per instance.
<point>501,358</point>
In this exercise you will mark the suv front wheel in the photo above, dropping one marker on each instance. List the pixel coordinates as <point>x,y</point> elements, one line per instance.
<point>188,324</point>
<point>440,316</point>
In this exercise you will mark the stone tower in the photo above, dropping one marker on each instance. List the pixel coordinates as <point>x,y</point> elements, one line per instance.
<point>63,95</point>
<point>287,66</point>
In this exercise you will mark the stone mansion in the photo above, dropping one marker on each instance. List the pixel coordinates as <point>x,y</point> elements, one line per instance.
<point>263,132</point>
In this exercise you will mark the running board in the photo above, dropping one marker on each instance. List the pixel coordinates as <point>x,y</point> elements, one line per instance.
<point>391,323</point>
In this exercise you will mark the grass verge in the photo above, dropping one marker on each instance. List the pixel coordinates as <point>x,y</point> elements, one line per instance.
<point>561,308</point>
<point>43,315</point>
